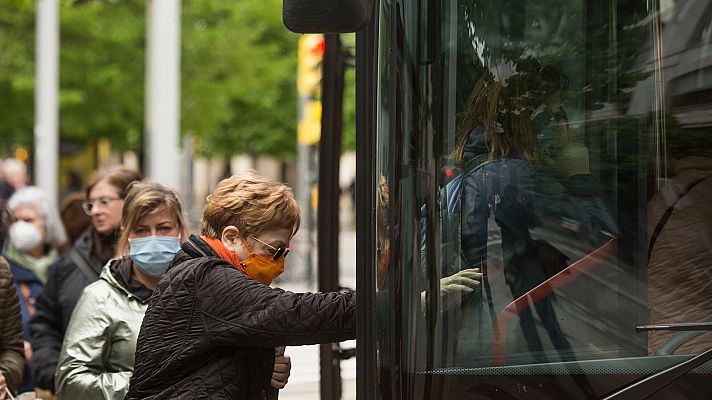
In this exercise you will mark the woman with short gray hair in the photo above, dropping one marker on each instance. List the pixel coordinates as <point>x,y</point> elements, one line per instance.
<point>35,235</point>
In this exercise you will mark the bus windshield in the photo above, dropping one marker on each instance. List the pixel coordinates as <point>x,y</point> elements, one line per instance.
<point>542,191</point>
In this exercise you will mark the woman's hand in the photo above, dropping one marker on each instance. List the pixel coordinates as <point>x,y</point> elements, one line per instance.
<point>282,367</point>
<point>460,283</point>
<point>28,352</point>
<point>453,287</point>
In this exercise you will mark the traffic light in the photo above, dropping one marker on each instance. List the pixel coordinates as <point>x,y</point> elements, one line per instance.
<point>310,55</point>
<point>309,73</point>
<point>309,128</point>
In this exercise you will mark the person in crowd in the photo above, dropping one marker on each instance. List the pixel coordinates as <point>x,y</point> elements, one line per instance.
<point>511,189</point>
<point>75,220</point>
<point>14,177</point>
<point>12,362</point>
<point>97,357</point>
<point>35,235</point>
<point>73,184</point>
<point>213,323</point>
<point>74,271</point>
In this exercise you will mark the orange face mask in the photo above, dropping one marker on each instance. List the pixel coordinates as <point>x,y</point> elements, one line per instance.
<point>262,268</point>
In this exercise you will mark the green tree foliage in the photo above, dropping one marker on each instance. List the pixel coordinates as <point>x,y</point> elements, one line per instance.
<point>349,107</point>
<point>238,74</point>
<point>17,70</point>
<point>239,71</point>
<point>102,70</point>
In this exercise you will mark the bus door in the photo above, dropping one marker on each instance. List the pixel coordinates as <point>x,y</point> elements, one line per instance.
<point>533,196</point>
<point>542,201</point>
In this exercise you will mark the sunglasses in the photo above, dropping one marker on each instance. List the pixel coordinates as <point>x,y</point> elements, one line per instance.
<point>278,252</point>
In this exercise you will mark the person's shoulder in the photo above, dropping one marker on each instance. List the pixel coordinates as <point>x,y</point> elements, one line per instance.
<point>99,292</point>
<point>5,274</point>
<point>65,268</point>
<point>199,269</point>
<point>4,266</point>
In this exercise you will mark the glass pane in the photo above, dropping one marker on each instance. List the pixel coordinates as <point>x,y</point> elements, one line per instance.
<point>545,165</point>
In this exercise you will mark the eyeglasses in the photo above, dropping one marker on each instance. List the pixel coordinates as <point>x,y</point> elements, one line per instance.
<point>278,252</point>
<point>102,201</point>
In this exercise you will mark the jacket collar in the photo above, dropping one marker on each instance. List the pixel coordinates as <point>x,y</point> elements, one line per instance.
<point>20,273</point>
<point>117,273</point>
<point>194,247</point>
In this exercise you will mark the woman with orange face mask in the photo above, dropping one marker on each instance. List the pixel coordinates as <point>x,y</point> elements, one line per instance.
<point>213,325</point>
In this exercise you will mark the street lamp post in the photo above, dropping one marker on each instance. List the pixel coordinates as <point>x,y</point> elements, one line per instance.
<point>163,161</point>
<point>46,153</point>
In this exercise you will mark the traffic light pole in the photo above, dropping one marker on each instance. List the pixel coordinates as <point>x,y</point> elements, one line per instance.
<point>328,210</point>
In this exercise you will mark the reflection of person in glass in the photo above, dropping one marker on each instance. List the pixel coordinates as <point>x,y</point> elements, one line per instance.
<point>549,119</point>
<point>497,123</point>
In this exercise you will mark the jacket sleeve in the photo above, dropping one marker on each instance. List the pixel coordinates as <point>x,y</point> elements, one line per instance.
<point>238,310</point>
<point>80,372</point>
<point>12,359</point>
<point>47,332</point>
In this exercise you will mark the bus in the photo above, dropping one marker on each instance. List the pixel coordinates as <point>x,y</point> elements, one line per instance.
<point>534,207</point>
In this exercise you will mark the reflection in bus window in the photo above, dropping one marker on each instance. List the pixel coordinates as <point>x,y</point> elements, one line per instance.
<point>543,142</point>
<point>680,242</point>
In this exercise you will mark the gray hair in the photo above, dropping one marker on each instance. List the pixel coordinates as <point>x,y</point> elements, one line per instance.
<point>34,197</point>
<point>12,166</point>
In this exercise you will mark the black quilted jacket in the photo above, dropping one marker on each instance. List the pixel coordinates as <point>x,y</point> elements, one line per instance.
<point>210,331</point>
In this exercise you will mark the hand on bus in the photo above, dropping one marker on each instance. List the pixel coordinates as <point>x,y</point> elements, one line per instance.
<point>453,287</point>
<point>282,367</point>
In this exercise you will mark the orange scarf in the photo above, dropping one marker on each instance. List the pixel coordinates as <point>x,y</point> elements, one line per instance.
<point>224,253</point>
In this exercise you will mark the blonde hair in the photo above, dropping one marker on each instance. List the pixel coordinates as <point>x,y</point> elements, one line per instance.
<point>147,197</point>
<point>252,203</point>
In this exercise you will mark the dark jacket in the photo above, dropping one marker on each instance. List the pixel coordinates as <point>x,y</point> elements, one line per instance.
<point>28,287</point>
<point>12,358</point>
<point>55,305</point>
<point>210,331</point>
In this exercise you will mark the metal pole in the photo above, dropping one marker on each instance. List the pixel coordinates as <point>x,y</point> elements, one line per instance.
<point>162,150</point>
<point>328,211</point>
<point>46,93</point>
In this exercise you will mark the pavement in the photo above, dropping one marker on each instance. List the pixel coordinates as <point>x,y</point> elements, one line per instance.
<point>304,379</point>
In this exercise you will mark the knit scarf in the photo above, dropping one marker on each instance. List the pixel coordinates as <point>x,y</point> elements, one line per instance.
<point>224,253</point>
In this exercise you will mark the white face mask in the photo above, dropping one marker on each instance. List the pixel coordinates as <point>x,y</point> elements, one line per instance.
<point>24,236</point>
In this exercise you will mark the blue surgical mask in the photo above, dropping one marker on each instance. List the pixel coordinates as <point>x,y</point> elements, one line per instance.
<point>153,254</point>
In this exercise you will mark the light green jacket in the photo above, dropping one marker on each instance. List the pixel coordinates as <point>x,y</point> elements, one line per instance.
<point>97,357</point>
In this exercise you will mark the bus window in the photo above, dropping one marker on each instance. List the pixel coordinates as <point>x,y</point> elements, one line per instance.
<point>544,167</point>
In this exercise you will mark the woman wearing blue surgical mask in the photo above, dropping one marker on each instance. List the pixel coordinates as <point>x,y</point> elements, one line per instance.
<point>97,357</point>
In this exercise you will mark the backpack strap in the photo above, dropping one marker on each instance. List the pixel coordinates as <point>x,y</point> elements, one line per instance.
<point>666,215</point>
<point>474,163</point>
<point>83,265</point>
